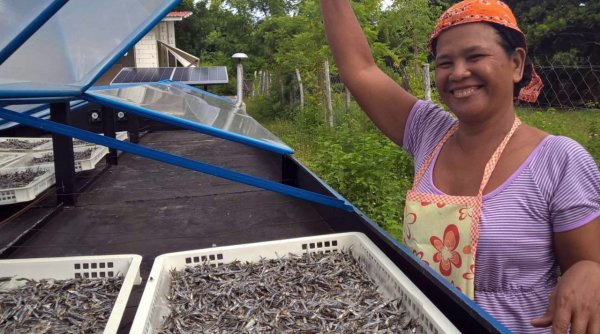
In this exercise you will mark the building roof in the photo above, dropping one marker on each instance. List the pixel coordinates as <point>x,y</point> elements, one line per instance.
<point>179,14</point>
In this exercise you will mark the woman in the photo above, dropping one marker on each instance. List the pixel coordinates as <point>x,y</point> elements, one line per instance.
<point>522,203</point>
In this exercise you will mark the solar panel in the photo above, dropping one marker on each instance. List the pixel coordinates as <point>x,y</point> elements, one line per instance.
<point>188,75</point>
<point>134,74</point>
<point>201,75</point>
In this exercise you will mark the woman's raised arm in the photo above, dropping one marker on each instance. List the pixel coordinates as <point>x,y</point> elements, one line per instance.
<point>384,101</point>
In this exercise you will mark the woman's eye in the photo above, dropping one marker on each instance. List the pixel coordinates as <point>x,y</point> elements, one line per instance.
<point>475,57</point>
<point>443,64</point>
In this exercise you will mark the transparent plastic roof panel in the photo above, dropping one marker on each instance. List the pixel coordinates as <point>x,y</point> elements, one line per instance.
<point>77,45</point>
<point>20,19</point>
<point>191,107</point>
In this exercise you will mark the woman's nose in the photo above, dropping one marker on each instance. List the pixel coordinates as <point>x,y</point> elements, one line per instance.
<point>459,71</point>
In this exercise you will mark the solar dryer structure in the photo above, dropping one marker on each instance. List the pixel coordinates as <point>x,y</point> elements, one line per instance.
<point>213,75</point>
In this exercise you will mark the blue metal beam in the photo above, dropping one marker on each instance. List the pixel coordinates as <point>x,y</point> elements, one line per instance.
<point>175,160</point>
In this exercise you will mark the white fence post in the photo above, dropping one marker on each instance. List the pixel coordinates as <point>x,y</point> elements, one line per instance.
<point>329,112</point>
<point>301,88</point>
<point>426,82</point>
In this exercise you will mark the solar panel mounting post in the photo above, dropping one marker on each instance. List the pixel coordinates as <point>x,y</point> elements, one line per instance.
<point>64,157</point>
<point>108,127</point>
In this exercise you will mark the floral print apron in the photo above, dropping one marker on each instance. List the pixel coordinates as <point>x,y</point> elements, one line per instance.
<point>443,230</point>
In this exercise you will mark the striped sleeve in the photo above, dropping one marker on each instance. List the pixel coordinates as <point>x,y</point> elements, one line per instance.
<point>569,178</point>
<point>426,125</point>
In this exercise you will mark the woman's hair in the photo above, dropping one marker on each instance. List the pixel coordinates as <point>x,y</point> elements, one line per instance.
<point>510,40</point>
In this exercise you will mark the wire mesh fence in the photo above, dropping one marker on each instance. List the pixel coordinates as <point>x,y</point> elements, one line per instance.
<point>566,86</point>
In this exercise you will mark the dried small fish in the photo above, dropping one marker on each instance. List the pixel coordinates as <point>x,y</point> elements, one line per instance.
<point>20,144</point>
<point>49,157</point>
<point>19,178</point>
<point>312,293</point>
<point>58,306</point>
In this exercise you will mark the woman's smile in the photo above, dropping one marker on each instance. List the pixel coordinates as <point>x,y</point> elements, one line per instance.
<point>465,92</point>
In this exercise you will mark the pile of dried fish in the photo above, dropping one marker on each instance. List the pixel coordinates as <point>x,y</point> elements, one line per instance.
<point>49,157</point>
<point>79,142</point>
<point>316,293</point>
<point>19,179</point>
<point>58,306</point>
<point>19,144</point>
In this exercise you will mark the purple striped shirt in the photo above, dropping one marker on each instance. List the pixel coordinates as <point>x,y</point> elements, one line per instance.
<point>555,190</point>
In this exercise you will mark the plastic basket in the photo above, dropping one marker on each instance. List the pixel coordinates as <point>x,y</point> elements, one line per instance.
<point>121,135</point>
<point>30,191</point>
<point>80,165</point>
<point>392,283</point>
<point>8,157</point>
<point>40,144</point>
<point>126,265</point>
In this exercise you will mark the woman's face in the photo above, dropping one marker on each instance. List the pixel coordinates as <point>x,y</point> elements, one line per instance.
<point>473,74</point>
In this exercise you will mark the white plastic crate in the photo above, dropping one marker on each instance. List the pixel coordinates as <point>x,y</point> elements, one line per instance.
<point>30,191</point>
<point>80,165</point>
<point>392,283</point>
<point>8,157</point>
<point>121,135</point>
<point>125,265</point>
<point>39,144</point>
<point>97,154</point>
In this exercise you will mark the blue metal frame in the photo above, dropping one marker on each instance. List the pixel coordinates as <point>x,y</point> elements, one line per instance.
<point>476,308</point>
<point>30,29</point>
<point>175,160</point>
<point>176,121</point>
<point>35,99</point>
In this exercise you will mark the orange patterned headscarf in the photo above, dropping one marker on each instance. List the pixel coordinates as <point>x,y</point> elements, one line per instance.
<point>493,11</point>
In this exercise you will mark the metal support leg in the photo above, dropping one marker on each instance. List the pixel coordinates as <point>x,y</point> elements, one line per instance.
<point>108,126</point>
<point>64,160</point>
<point>133,123</point>
<point>289,171</point>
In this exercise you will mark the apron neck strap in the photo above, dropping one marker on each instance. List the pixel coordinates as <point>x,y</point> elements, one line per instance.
<point>491,164</point>
<point>489,167</point>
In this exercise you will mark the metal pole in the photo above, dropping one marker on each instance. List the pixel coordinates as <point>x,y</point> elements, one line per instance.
<point>240,83</point>
<point>64,158</point>
<point>108,127</point>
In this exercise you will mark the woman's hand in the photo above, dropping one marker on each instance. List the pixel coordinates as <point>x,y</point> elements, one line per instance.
<point>575,302</point>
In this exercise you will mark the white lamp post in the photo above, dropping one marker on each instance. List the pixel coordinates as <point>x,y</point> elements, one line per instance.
<point>240,78</point>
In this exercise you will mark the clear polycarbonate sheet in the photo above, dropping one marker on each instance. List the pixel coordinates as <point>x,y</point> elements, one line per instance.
<point>20,19</point>
<point>77,45</point>
<point>212,114</point>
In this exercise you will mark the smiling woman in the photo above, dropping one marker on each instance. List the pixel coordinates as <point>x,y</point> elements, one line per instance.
<point>498,208</point>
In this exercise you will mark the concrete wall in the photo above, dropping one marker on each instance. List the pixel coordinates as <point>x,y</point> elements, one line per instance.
<point>146,50</point>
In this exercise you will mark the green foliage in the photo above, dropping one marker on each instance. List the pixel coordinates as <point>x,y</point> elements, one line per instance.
<point>593,142</point>
<point>369,170</point>
<point>565,30</point>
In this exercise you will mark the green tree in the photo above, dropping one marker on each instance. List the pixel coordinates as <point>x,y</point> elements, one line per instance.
<point>564,30</point>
